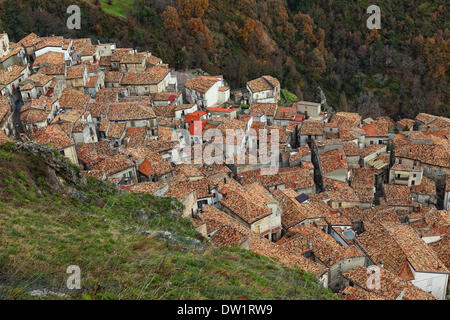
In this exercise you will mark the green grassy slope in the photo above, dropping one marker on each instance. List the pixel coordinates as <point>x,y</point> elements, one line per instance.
<point>117,240</point>
<point>118,8</point>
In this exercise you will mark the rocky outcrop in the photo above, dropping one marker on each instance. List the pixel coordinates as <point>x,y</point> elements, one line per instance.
<point>58,166</point>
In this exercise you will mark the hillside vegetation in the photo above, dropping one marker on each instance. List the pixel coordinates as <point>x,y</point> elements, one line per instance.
<point>128,246</point>
<point>399,70</point>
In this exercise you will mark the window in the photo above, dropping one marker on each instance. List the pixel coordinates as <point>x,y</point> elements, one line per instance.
<point>413,182</point>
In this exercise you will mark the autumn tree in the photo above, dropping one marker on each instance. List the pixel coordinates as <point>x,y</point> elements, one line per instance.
<point>171,19</point>
<point>200,7</point>
<point>192,8</point>
<point>248,28</point>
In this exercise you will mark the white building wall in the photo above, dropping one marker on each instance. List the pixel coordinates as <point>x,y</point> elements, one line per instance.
<point>434,283</point>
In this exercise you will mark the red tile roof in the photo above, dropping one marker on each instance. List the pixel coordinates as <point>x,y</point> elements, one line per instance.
<point>333,160</point>
<point>52,135</point>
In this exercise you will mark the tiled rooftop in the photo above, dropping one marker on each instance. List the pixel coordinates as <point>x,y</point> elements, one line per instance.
<point>130,111</point>
<point>202,83</point>
<point>325,247</point>
<point>311,127</point>
<point>49,58</point>
<point>292,178</point>
<point>151,76</point>
<point>370,150</point>
<point>114,164</point>
<point>52,135</point>
<point>391,286</point>
<point>260,109</point>
<point>263,83</point>
<point>333,160</point>
<point>73,99</point>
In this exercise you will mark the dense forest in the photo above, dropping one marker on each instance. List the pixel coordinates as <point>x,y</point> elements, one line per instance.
<point>399,70</point>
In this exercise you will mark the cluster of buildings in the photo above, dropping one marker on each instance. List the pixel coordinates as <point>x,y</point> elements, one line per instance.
<point>350,193</point>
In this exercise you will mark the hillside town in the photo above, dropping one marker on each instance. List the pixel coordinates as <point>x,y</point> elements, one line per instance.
<point>349,194</point>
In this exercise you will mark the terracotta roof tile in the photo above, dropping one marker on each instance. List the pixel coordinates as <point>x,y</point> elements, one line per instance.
<point>325,247</point>
<point>75,72</point>
<point>228,236</point>
<point>370,150</point>
<point>244,202</point>
<point>114,164</point>
<point>263,83</point>
<point>148,187</point>
<point>6,77</point>
<point>124,111</point>
<point>346,120</point>
<point>92,153</point>
<point>116,130</point>
<point>202,83</point>
<point>52,135</point>
<point>419,254</point>
<point>295,212</point>
<point>73,99</point>
<point>311,127</point>
<point>376,129</point>
<point>427,187</point>
<point>292,178</point>
<point>391,286</point>
<point>259,109</point>
<point>29,40</point>
<point>49,58</point>
<point>152,75</point>
<point>333,160</point>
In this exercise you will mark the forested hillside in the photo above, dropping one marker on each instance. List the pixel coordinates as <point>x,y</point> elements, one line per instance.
<point>399,70</point>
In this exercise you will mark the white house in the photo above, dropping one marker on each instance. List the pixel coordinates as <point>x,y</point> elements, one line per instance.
<point>54,44</point>
<point>207,91</point>
<point>11,78</point>
<point>265,89</point>
<point>405,175</point>
<point>34,86</point>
